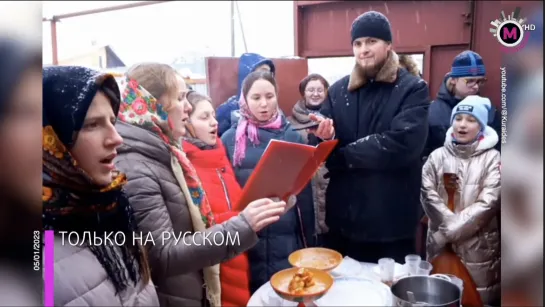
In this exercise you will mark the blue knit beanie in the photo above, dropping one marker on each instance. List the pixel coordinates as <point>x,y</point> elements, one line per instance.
<point>467,64</point>
<point>475,106</point>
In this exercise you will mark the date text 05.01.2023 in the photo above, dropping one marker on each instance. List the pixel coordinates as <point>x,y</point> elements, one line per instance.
<point>37,251</point>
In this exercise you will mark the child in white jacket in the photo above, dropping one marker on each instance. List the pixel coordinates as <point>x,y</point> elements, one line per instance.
<point>472,229</point>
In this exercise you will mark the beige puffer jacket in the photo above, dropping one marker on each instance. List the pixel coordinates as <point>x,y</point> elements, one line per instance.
<point>473,227</point>
<point>160,206</point>
<point>80,280</point>
<point>300,116</point>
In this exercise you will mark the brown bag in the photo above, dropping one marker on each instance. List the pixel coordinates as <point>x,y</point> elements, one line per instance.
<point>447,262</point>
<point>424,220</point>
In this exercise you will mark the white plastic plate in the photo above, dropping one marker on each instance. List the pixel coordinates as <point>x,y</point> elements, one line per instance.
<point>348,267</point>
<point>356,291</point>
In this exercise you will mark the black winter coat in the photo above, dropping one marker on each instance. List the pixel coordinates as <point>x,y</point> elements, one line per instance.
<point>375,171</point>
<point>439,119</point>
<point>279,240</point>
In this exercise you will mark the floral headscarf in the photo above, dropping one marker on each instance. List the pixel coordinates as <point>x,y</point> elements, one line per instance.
<point>71,201</point>
<point>140,108</point>
<point>247,129</point>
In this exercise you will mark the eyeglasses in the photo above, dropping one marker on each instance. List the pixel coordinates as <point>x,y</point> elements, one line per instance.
<point>472,81</point>
<point>315,90</point>
<point>184,94</point>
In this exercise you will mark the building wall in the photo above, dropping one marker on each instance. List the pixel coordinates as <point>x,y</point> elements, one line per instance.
<point>437,29</point>
<point>92,60</point>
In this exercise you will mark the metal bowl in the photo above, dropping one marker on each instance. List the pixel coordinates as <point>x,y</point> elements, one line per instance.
<point>427,290</point>
<point>281,280</point>
<point>324,259</point>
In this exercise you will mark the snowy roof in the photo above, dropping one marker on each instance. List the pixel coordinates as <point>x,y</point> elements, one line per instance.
<point>113,59</point>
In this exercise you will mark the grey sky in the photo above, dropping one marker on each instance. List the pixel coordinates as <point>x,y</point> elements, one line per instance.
<point>164,31</point>
<point>21,20</point>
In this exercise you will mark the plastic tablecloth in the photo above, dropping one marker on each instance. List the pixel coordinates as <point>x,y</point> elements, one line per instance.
<point>349,267</point>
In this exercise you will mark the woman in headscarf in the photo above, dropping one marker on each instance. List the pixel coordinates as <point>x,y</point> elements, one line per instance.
<point>313,90</point>
<point>248,62</point>
<point>20,162</point>
<point>83,193</point>
<point>260,122</point>
<point>168,196</point>
<point>207,154</point>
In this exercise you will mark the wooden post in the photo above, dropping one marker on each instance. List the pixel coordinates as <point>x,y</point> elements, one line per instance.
<point>54,49</point>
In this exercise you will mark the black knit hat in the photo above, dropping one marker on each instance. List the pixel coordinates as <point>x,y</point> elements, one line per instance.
<point>371,24</point>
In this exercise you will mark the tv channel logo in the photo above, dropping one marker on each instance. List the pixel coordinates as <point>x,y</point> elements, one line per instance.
<point>509,30</point>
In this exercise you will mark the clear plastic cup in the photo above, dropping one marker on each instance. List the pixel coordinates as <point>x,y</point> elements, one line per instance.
<point>424,268</point>
<point>411,264</point>
<point>387,267</point>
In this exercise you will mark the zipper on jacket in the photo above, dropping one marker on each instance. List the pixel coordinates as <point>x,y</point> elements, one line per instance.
<point>224,187</point>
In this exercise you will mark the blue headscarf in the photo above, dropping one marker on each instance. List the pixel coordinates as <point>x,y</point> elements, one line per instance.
<point>67,95</point>
<point>71,202</point>
<point>248,62</point>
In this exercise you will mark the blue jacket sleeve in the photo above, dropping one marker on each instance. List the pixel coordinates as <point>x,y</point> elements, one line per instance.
<point>223,116</point>
<point>402,144</point>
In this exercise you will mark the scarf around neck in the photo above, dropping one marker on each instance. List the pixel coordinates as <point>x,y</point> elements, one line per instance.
<point>301,111</point>
<point>247,129</point>
<point>141,109</point>
<point>193,139</point>
<point>199,143</point>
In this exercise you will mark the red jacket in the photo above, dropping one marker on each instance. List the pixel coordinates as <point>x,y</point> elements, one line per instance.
<point>223,191</point>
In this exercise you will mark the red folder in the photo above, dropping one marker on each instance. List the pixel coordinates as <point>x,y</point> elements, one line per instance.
<point>284,169</point>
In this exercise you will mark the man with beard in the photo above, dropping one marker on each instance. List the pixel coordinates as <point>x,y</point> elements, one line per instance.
<point>379,115</point>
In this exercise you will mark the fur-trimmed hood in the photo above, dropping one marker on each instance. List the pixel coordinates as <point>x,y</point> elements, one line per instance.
<point>406,61</point>
<point>488,140</point>
<point>388,72</point>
